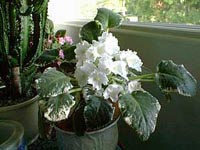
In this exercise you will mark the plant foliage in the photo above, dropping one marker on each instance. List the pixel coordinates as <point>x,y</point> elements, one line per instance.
<point>105,76</point>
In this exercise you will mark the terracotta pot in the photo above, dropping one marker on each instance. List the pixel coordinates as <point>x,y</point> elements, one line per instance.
<point>27,114</point>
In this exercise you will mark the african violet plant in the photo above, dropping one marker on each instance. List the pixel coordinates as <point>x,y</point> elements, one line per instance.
<point>22,28</point>
<point>104,75</point>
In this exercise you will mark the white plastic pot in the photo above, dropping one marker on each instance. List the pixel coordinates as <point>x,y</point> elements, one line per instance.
<point>103,139</point>
<point>11,135</point>
<point>27,114</point>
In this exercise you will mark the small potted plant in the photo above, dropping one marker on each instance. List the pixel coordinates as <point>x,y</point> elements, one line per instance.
<point>22,28</point>
<point>105,84</point>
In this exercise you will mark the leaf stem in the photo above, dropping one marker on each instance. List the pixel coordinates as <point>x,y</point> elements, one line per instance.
<point>146,77</point>
<point>75,90</point>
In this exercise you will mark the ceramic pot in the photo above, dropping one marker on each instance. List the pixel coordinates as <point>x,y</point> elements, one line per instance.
<point>27,114</point>
<point>11,137</point>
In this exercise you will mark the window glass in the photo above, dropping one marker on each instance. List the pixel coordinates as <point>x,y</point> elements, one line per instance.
<point>165,11</point>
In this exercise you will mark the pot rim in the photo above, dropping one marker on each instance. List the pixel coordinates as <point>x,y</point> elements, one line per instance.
<point>19,105</point>
<point>91,132</point>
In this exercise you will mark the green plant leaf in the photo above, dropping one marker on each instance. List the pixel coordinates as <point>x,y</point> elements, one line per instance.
<point>53,83</point>
<point>78,120</point>
<point>60,104</point>
<point>60,33</point>
<point>68,51</point>
<point>108,18</point>
<point>40,5</point>
<point>28,76</point>
<point>140,110</point>
<point>91,31</point>
<point>170,2</point>
<point>172,77</point>
<point>97,113</point>
<point>48,56</point>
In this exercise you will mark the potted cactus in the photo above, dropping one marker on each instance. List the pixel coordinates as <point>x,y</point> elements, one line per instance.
<point>22,28</point>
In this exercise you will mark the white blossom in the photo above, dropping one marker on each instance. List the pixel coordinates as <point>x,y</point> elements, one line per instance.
<point>134,86</point>
<point>97,78</point>
<point>82,73</point>
<point>119,68</point>
<point>80,51</point>
<point>104,64</point>
<point>107,44</point>
<point>91,54</point>
<point>131,58</point>
<point>112,92</point>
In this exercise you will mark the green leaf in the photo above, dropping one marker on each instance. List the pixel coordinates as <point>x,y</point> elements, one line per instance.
<point>91,31</point>
<point>28,76</point>
<point>61,33</point>
<point>78,119</point>
<point>69,52</point>
<point>40,5</point>
<point>172,77</point>
<point>140,110</point>
<point>170,2</point>
<point>57,104</point>
<point>97,113</point>
<point>53,83</point>
<point>48,56</point>
<point>108,18</point>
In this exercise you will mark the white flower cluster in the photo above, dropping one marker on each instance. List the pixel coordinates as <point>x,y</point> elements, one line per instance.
<point>99,62</point>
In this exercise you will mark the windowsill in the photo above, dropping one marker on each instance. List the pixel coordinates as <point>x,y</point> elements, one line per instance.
<point>155,29</point>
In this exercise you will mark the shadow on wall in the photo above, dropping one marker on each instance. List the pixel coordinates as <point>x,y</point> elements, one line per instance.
<point>177,126</point>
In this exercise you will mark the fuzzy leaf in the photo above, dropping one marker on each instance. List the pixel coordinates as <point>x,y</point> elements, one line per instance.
<point>78,119</point>
<point>28,76</point>
<point>172,77</point>
<point>60,33</point>
<point>97,113</point>
<point>91,31</point>
<point>108,18</point>
<point>60,106</point>
<point>48,56</point>
<point>53,83</point>
<point>69,52</point>
<point>140,110</point>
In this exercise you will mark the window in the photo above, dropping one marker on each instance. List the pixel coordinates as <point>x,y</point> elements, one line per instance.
<point>165,11</point>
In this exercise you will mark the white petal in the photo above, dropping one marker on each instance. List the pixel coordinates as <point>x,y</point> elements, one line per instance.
<point>97,79</point>
<point>131,58</point>
<point>91,54</point>
<point>120,68</point>
<point>104,64</point>
<point>133,86</point>
<point>109,43</point>
<point>112,92</point>
<point>80,51</point>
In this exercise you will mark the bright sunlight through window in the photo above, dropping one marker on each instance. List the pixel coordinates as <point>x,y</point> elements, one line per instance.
<point>160,11</point>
